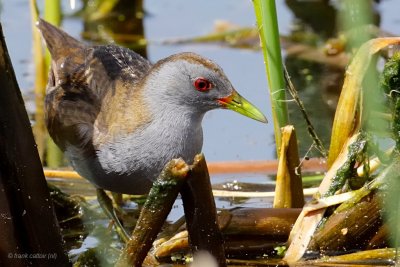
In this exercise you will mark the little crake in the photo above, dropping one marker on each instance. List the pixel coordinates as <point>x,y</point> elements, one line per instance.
<point>120,119</point>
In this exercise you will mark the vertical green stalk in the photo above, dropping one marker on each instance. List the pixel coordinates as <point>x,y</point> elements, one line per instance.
<point>52,14</point>
<point>52,11</point>
<point>354,16</point>
<point>267,22</point>
<point>39,128</point>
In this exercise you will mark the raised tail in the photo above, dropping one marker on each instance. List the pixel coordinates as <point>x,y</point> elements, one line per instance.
<point>57,41</point>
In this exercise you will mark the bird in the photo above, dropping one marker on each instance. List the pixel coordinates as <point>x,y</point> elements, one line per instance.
<point>119,119</point>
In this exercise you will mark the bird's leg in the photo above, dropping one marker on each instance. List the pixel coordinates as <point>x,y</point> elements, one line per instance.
<point>107,206</point>
<point>118,202</point>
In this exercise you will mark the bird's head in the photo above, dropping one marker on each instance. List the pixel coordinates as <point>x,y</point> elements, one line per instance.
<point>191,81</point>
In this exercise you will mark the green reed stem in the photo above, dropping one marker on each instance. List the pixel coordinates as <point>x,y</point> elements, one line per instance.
<point>52,11</point>
<point>39,128</point>
<point>52,14</point>
<point>267,22</point>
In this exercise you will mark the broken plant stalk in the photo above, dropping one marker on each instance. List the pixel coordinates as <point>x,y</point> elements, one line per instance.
<point>308,220</point>
<point>375,255</point>
<point>200,212</point>
<point>154,212</point>
<point>349,229</point>
<point>289,188</point>
<point>257,229</point>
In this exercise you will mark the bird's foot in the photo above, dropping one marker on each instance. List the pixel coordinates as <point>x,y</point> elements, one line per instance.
<point>108,208</point>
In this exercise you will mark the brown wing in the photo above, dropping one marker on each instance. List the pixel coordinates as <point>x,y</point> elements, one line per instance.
<point>80,79</point>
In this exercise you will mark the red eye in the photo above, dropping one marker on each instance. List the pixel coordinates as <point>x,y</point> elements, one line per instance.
<point>202,84</point>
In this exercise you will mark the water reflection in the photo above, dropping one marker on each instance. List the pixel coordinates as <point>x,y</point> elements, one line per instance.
<point>120,22</point>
